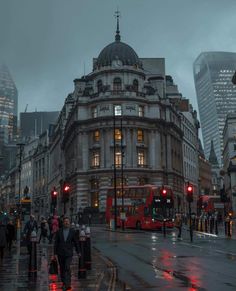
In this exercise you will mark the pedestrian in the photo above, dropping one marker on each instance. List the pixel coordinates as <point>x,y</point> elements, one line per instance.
<point>50,218</point>
<point>3,238</point>
<point>11,231</point>
<point>55,226</point>
<point>178,224</point>
<point>44,229</point>
<point>65,240</point>
<point>31,225</point>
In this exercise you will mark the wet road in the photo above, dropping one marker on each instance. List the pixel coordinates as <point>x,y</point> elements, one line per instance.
<point>148,261</point>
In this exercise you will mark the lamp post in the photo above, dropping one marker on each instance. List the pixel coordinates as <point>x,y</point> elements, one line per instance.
<point>21,146</point>
<point>114,178</point>
<point>122,177</point>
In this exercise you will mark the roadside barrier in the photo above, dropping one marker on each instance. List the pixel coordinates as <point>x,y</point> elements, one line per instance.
<point>87,250</point>
<point>82,268</point>
<point>33,255</point>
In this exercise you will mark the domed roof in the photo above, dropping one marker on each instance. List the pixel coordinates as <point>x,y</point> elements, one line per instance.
<point>118,50</point>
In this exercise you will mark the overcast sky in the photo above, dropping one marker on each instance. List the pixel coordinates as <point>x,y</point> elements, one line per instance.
<point>45,43</point>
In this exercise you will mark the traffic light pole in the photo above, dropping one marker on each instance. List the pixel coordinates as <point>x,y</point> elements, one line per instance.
<point>115,192</point>
<point>164,218</point>
<point>190,222</point>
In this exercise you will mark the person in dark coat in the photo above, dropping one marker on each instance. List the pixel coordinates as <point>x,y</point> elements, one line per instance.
<point>3,238</point>
<point>65,240</point>
<point>11,234</point>
<point>31,225</point>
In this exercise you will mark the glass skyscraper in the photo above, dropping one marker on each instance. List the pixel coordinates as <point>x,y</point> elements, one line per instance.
<point>216,96</point>
<point>8,106</point>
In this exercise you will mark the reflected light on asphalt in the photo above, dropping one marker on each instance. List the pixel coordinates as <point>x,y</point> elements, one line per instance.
<point>168,275</point>
<point>154,249</point>
<point>194,280</point>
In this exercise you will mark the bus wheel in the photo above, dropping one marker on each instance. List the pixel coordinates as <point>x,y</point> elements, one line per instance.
<point>138,225</point>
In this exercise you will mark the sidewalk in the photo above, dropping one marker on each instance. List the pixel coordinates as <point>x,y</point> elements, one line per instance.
<point>221,231</point>
<point>14,272</point>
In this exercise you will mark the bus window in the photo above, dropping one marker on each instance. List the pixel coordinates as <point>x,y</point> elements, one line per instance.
<point>146,211</point>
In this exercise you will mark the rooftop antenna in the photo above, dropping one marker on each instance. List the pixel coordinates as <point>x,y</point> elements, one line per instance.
<point>117,16</point>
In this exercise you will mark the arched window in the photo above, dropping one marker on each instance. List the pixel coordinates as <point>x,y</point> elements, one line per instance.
<point>135,85</point>
<point>99,85</point>
<point>117,84</point>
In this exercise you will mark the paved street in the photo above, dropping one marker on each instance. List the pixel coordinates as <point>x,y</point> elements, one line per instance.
<point>134,260</point>
<point>148,261</point>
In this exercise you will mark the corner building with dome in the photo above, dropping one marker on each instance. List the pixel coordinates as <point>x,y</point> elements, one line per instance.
<point>121,114</point>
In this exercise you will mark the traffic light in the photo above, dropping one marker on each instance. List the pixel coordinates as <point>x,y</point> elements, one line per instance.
<point>189,193</point>
<point>66,192</point>
<point>54,196</point>
<point>163,192</point>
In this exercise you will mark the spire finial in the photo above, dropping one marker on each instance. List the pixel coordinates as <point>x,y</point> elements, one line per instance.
<point>117,15</point>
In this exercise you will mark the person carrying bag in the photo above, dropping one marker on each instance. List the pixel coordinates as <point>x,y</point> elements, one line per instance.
<point>53,266</point>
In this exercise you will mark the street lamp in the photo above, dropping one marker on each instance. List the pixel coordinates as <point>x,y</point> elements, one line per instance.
<point>122,177</point>
<point>114,157</point>
<point>21,146</point>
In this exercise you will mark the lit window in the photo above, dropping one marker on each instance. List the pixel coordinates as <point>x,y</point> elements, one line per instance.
<point>96,136</point>
<point>95,159</point>
<point>118,158</point>
<point>141,111</point>
<point>140,136</point>
<point>141,158</point>
<point>117,134</point>
<point>94,112</point>
<point>117,84</point>
<point>117,110</point>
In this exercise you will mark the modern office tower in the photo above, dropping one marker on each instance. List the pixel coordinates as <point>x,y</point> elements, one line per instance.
<point>8,106</point>
<point>213,72</point>
<point>8,117</point>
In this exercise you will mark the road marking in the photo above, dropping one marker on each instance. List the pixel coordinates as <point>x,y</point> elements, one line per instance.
<point>215,250</point>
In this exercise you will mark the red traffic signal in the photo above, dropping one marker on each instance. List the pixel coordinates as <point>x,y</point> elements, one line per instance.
<point>189,193</point>
<point>66,192</point>
<point>163,192</point>
<point>54,192</point>
<point>66,188</point>
<point>190,189</point>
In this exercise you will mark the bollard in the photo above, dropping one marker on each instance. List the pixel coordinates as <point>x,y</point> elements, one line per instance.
<point>87,250</point>
<point>216,227</point>
<point>201,226</point>
<point>33,255</point>
<point>82,268</point>
<point>229,228</point>
<point>206,225</point>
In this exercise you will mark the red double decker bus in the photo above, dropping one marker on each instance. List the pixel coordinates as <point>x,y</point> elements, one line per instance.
<point>144,206</point>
